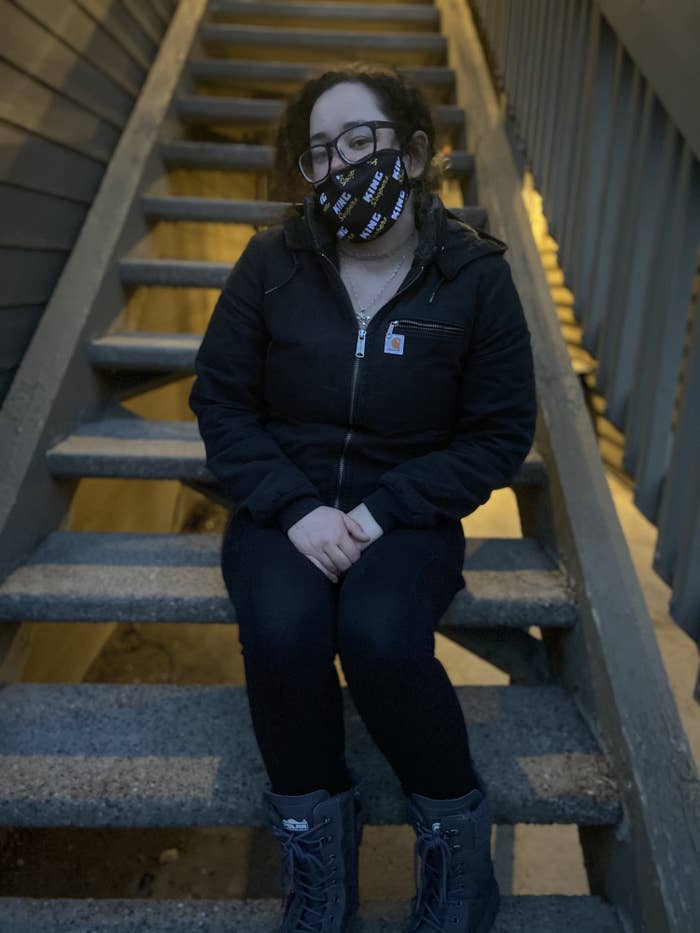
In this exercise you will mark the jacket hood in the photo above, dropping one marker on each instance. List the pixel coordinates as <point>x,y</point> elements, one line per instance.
<point>443,235</point>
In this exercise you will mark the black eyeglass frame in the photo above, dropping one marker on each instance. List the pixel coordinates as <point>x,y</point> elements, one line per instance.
<point>374,125</point>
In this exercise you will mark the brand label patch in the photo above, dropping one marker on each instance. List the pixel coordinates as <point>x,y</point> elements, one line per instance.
<point>393,343</point>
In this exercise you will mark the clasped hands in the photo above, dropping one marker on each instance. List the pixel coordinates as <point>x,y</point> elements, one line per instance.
<point>333,540</point>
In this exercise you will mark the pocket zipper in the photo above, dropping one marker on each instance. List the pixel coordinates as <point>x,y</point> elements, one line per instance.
<point>429,326</point>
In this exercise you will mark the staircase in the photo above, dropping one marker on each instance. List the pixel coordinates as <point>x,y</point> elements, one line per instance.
<point>557,745</point>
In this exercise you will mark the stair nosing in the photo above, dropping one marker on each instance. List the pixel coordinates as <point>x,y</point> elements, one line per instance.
<point>545,913</point>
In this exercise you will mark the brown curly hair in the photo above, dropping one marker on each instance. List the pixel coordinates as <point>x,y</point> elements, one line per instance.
<point>401,100</point>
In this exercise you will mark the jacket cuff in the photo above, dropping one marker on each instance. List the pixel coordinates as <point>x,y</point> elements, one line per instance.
<point>384,508</point>
<point>298,508</point>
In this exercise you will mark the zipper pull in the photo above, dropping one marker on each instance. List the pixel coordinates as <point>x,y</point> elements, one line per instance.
<point>360,346</point>
<point>390,330</point>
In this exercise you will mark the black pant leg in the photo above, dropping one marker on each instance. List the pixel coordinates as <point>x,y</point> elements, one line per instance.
<point>285,608</point>
<point>389,605</point>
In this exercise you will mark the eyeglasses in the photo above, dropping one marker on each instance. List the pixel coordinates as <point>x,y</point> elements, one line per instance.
<point>352,145</point>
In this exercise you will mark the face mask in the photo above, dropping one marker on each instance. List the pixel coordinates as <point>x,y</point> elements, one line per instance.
<point>367,199</point>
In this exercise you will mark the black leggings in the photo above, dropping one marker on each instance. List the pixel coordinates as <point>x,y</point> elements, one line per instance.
<point>380,619</point>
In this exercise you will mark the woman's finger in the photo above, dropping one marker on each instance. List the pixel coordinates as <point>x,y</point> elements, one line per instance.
<point>313,560</point>
<point>341,560</point>
<point>325,561</point>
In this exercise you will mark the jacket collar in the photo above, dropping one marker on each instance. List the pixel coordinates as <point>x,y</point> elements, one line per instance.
<point>443,236</point>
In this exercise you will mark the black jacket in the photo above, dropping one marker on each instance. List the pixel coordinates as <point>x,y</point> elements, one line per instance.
<point>292,418</point>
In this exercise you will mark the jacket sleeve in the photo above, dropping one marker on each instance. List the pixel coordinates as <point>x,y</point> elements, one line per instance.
<point>227,398</point>
<point>494,429</point>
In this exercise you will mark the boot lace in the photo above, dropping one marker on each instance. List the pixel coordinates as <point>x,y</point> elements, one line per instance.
<point>306,873</point>
<point>439,885</point>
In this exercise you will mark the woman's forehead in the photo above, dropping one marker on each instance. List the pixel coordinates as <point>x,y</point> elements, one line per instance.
<point>340,104</point>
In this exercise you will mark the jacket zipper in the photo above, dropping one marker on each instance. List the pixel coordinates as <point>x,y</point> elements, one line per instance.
<point>359,354</point>
<point>429,326</point>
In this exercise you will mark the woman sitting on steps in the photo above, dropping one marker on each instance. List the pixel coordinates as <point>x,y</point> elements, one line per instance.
<point>366,380</point>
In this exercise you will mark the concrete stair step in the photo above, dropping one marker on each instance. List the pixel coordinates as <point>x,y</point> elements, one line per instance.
<point>143,351</point>
<point>257,213</point>
<point>254,74</point>
<point>343,41</point>
<point>145,448</point>
<point>185,755</point>
<point>548,913</point>
<point>174,273</point>
<point>203,109</point>
<point>396,14</point>
<point>85,576</point>
<point>251,157</point>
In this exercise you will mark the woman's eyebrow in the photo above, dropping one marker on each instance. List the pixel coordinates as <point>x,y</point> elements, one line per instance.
<point>345,126</point>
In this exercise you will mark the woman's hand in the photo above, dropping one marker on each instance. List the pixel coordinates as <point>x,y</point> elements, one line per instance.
<point>329,538</point>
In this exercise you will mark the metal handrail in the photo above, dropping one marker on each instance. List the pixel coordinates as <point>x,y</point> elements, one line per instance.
<point>605,116</point>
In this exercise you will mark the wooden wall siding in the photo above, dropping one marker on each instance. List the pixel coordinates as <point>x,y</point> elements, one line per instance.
<point>37,164</point>
<point>70,74</point>
<point>604,116</point>
<point>77,31</point>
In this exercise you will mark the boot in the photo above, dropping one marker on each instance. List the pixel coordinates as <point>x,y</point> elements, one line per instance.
<point>457,891</point>
<point>321,835</point>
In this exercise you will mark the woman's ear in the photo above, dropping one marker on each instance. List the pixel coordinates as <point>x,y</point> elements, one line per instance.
<point>417,153</point>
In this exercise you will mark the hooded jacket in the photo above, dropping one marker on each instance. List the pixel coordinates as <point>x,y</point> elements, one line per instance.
<point>421,416</point>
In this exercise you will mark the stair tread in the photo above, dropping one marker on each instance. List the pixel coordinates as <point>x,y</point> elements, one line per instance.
<point>547,913</point>
<point>124,576</point>
<point>310,37</point>
<point>201,106</point>
<point>185,755</point>
<point>144,350</point>
<point>163,449</point>
<point>199,273</point>
<point>249,69</point>
<point>240,210</point>
<point>245,211</point>
<point>259,157</point>
<point>400,12</point>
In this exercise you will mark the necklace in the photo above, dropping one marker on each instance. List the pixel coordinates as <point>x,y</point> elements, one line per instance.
<point>363,315</point>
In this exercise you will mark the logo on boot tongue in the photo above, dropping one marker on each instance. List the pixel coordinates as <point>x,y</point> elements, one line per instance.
<point>436,826</point>
<point>296,826</point>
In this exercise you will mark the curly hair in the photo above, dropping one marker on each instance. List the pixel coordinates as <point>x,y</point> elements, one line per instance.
<point>401,100</point>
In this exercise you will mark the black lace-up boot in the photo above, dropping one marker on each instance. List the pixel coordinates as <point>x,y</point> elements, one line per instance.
<point>457,891</point>
<point>320,834</point>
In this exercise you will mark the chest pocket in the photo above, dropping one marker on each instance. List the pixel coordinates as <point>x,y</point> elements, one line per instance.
<point>402,327</point>
<point>417,385</point>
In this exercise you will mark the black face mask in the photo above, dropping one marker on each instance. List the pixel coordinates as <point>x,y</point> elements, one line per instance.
<point>366,199</point>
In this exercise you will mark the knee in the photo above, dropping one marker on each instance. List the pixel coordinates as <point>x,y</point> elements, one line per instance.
<point>379,635</point>
<point>284,631</point>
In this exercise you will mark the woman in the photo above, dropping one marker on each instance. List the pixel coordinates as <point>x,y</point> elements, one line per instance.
<point>365,381</point>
